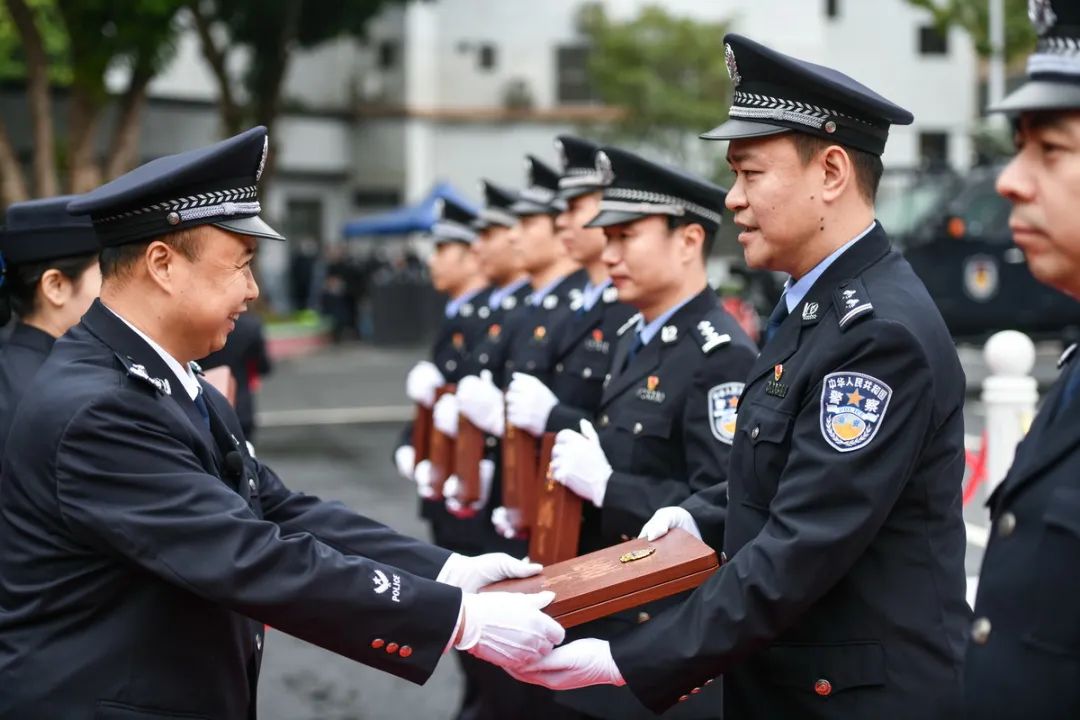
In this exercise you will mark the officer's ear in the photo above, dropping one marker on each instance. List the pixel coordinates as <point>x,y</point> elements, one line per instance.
<point>839,172</point>
<point>55,288</point>
<point>160,260</point>
<point>692,240</point>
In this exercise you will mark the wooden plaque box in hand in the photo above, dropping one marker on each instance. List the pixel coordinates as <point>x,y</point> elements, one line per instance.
<point>554,536</point>
<point>421,433</point>
<point>620,577</point>
<point>519,473</point>
<point>468,452</point>
<point>441,454</point>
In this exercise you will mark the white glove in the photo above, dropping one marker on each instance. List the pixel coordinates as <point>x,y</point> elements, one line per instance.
<point>579,463</point>
<point>405,459</point>
<point>668,518</point>
<point>579,664</point>
<point>482,403</point>
<point>506,521</point>
<point>423,480</point>
<point>529,403</point>
<point>452,487</point>
<point>422,381</point>
<point>508,629</point>
<point>445,415</point>
<point>472,573</point>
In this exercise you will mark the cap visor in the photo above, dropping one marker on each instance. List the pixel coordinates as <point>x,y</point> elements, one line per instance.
<point>735,129</point>
<point>1040,95</point>
<point>253,226</point>
<point>571,193</point>
<point>607,218</point>
<point>524,208</point>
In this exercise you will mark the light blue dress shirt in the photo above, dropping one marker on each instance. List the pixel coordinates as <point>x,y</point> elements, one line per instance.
<point>648,331</point>
<point>454,305</point>
<point>795,292</point>
<point>500,294</point>
<point>590,294</point>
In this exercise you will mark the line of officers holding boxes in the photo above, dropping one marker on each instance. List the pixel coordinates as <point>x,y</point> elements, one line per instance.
<point>585,388</point>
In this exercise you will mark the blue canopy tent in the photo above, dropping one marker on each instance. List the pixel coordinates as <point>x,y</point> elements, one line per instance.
<point>409,219</point>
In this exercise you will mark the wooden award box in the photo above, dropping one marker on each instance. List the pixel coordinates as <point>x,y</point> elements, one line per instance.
<point>441,453</point>
<point>555,534</point>
<point>519,473</point>
<point>468,453</point>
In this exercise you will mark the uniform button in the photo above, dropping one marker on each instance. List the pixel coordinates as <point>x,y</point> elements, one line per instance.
<point>638,428</point>
<point>980,631</point>
<point>586,373</point>
<point>604,421</point>
<point>258,643</point>
<point>723,557</point>
<point>624,537</point>
<point>509,364</point>
<point>1006,524</point>
<point>451,364</point>
<point>484,358</point>
<point>392,648</point>
<point>755,432</point>
<point>491,442</point>
<point>377,643</point>
<point>405,651</point>
<point>823,687</point>
<point>251,484</point>
<point>684,698</point>
<point>643,617</point>
<point>530,365</point>
<point>558,367</point>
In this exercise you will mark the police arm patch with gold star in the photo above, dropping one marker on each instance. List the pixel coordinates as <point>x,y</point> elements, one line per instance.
<point>853,408</point>
<point>724,410</point>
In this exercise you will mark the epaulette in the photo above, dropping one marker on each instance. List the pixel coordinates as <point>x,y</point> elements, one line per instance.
<point>628,324</point>
<point>139,372</point>
<point>708,338</point>
<point>1066,356</point>
<point>852,302</point>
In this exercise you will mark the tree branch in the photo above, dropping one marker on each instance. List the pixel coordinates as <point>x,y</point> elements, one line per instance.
<point>37,91</point>
<point>124,147</point>
<point>231,114</point>
<point>12,184</point>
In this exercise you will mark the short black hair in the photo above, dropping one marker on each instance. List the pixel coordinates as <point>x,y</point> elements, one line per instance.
<point>868,167</point>
<point>676,221</point>
<point>18,294</point>
<point>117,260</point>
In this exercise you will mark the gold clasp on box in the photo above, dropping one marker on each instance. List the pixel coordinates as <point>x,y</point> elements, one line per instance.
<point>637,555</point>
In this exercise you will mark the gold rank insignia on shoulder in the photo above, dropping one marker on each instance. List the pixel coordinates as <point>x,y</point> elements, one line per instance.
<point>637,555</point>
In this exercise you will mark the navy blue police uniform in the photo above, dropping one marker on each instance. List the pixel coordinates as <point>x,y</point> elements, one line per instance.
<point>843,595</point>
<point>1023,655</point>
<point>37,231</point>
<point>142,548</point>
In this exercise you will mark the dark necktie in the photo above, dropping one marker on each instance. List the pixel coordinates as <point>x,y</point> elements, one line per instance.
<point>204,409</point>
<point>1070,391</point>
<point>779,314</point>
<point>635,348</point>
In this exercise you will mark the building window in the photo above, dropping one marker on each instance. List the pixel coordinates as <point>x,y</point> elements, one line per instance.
<point>932,41</point>
<point>304,219</point>
<point>388,51</point>
<point>934,149</point>
<point>572,62</point>
<point>486,57</point>
<point>832,8</point>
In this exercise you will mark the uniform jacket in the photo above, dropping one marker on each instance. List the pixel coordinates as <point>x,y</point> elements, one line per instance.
<point>141,553</point>
<point>20,359</point>
<point>491,349</point>
<point>537,328</point>
<point>843,593</point>
<point>1023,658</point>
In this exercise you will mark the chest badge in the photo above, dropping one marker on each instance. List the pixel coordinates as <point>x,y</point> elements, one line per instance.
<point>596,342</point>
<point>852,409</point>
<point>539,333</point>
<point>649,393</point>
<point>774,387</point>
<point>494,331</point>
<point>458,340</point>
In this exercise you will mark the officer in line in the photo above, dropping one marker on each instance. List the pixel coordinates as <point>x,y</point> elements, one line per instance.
<point>246,355</point>
<point>581,354</point>
<point>142,548</point>
<point>1023,656</point>
<point>843,594</point>
<point>49,278</point>
<point>667,416</point>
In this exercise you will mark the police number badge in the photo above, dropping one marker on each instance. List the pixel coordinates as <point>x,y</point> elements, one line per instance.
<point>852,409</point>
<point>724,410</point>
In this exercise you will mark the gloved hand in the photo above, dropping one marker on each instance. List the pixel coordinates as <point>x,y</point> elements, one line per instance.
<point>472,573</point>
<point>482,402</point>
<point>422,381</point>
<point>445,415</point>
<point>422,474</point>
<point>452,487</point>
<point>579,463</point>
<point>405,459</point>
<point>508,629</point>
<point>529,403</point>
<point>668,518</point>
<point>578,664</point>
<point>506,521</point>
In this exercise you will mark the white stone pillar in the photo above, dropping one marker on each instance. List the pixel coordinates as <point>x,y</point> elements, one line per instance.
<point>1009,396</point>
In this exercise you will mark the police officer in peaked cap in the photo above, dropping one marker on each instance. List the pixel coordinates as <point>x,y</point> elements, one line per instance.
<point>843,594</point>
<point>49,278</point>
<point>1023,654</point>
<point>142,548</point>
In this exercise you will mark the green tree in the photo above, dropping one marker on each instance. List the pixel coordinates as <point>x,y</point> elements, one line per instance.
<point>667,73</point>
<point>974,17</point>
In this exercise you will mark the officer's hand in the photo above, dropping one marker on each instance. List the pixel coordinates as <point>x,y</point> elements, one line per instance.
<point>445,415</point>
<point>506,521</point>
<point>579,664</point>
<point>452,489</point>
<point>405,459</point>
<point>482,402</point>
<point>579,463</point>
<point>508,629</point>
<point>528,403</point>
<point>669,518</point>
<point>472,573</point>
<point>422,475</point>
<point>422,381</point>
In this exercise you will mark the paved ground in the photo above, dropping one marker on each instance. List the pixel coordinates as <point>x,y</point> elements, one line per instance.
<point>330,424</point>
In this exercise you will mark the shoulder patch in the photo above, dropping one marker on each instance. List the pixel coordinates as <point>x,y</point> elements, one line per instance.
<point>724,410</point>
<point>709,337</point>
<point>1066,356</point>
<point>852,302</point>
<point>853,407</point>
<point>631,322</point>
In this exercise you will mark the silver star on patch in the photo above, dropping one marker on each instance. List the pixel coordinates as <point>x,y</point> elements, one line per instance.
<point>1042,15</point>
<point>732,68</point>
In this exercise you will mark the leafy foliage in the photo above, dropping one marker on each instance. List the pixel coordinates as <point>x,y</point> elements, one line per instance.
<point>974,17</point>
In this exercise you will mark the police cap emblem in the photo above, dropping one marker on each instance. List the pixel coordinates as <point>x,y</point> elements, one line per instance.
<point>724,410</point>
<point>1042,15</point>
<point>732,68</point>
<point>853,408</point>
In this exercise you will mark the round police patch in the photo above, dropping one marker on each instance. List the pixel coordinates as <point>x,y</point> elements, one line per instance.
<point>724,410</point>
<point>852,409</point>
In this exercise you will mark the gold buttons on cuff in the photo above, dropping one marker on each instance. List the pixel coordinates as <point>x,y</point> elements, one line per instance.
<point>392,648</point>
<point>377,643</point>
<point>980,631</point>
<point>823,687</point>
<point>405,651</point>
<point>1006,524</point>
